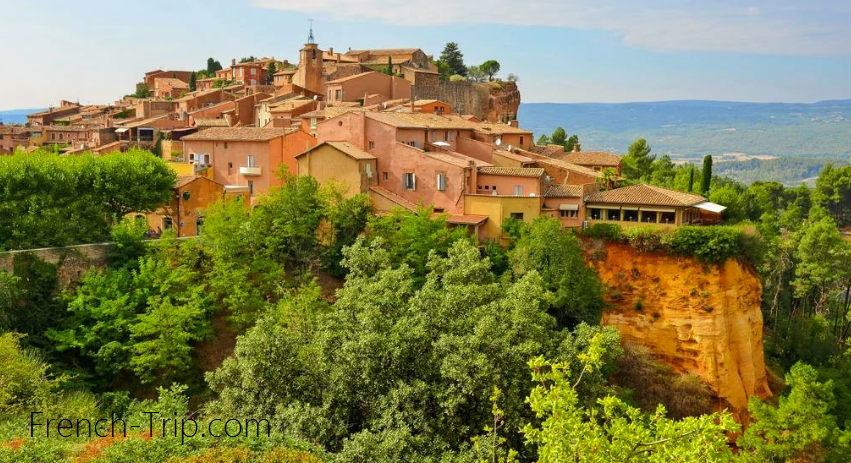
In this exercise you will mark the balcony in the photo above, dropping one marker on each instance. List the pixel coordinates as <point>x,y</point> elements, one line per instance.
<point>249,171</point>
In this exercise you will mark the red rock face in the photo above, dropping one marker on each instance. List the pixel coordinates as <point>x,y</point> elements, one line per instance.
<point>503,103</point>
<point>702,319</point>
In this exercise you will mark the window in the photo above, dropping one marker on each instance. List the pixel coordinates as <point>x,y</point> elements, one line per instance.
<point>517,215</point>
<point>338,95</point>
<point>371,145</point>
<point>433,135</point>
<point>412,143</point>
<point>409,181</point>
<point>518,190</point>
<point>630,216</point>
<point>441,182</point>
<point>648,217</point>
<point>199,222</point>
<point>438,210</point>
<point>596,214</point>
<point>253,71</point>
<point>226,145</point>
<point>251,188</point>
<point>368,170</point>
<point>312,122</point>
<point>487,187</point>
<point>669,217</point>
<point>386,176</point>
<point>53,136</point>
<point>597,168</point>
<point>452,135</point>
<point>613,214</point>
<point>446,135</point>
<point>168,222</point>
<point>60,136</point>
<point>521,140</point>
<point>251,161</point>
<point>567,214</point>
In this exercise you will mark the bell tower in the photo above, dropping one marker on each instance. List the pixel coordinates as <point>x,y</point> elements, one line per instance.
<point>309,72</point>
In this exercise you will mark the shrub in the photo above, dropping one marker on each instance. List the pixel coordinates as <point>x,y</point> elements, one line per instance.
<point>645,239</point>
<point>653,383</point>
<point>609,231</point>
<point>708,244</point>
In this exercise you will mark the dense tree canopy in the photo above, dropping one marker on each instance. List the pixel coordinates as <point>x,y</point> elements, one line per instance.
<point>454,59</point>
<point>46,200</point>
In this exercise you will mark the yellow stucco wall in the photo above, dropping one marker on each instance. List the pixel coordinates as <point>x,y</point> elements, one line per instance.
<point>499,208</point>
<point>327,164</point>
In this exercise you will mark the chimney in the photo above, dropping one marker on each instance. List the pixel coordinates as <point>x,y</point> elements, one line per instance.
<point>233,62</point>
<point>513,123</point>
<point>330,50</point>
<point>576,148</point>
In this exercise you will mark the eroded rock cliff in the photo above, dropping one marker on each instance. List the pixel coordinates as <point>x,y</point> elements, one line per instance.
<point>703,319</point>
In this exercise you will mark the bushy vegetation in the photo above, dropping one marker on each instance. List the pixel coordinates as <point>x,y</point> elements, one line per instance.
<point>47,200</point>
<point>708,244</point>
<point>396,338</point>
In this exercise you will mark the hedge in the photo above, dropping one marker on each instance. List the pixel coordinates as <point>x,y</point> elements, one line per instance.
<point>713,244</point>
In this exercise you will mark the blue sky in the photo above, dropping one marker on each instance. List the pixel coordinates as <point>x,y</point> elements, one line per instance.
<point>563,50</point>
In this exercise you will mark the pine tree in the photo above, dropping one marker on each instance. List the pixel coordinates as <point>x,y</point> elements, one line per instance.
<point>453,57</point>
<point>707,174</point>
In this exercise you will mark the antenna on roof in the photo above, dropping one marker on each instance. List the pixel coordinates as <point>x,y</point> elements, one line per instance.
<point>310,36</point>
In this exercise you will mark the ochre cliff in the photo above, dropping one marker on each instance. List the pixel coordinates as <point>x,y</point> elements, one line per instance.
<point>702,319</point>
<point>502,103</point>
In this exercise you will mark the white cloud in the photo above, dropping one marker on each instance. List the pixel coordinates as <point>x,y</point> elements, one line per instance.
<point>764,26</point>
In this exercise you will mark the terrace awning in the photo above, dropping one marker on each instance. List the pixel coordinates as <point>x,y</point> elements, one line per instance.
<point>568,207</point>
<point>711,207</point>
<point>121,130</point>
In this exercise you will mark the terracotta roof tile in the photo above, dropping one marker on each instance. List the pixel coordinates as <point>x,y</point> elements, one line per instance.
<point>498,129</point>
<point>211,123</point>
<point>513,171</point>
<point>592,158</point>
<point>421,121</point>
<point>344,147</point>
<point>236,134</point>
<point>645,195</point>
<point>564,191</point>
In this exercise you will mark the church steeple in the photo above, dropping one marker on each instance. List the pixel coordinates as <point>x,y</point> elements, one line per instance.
<point>310,36</point>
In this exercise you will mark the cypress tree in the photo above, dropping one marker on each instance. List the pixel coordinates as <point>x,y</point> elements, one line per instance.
<point>691,179</point>
<point>193,81</point>
<point>707,174</point>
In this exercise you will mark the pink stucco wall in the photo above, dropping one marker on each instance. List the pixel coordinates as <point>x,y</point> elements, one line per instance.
<point>505,184</point>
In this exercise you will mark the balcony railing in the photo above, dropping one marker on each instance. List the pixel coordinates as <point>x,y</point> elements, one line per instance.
<point>249,171</point>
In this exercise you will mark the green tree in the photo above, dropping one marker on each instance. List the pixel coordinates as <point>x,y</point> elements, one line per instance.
<point>559,136</point>
<point>571,142</point>
<point>800,420</point>
<point>444,70</point>
<point>389,69</point>
<point>691,179</point>
<point>476,74</point>
<point>193,81</point>
<point>706,180</point>
<point>546,248</point>
<point>454,59</point>
<point>213,66</point>
<point>613,430</point>
<point>638,161</point>
<point>833,192</point>
<point>271,69</point>
<point>491,68</point>
<point>543,140</point>
<point>825,261</point>
<point>142,91</point>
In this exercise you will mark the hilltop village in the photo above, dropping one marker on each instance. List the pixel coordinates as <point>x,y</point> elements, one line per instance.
<point>382,122</point>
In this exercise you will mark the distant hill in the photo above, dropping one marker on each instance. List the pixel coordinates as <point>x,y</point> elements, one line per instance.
<point>690,129</point>
<point>17,116</point>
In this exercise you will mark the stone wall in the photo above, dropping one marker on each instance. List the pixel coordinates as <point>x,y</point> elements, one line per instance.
<point>495,102</point>
<point>72,261</point>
